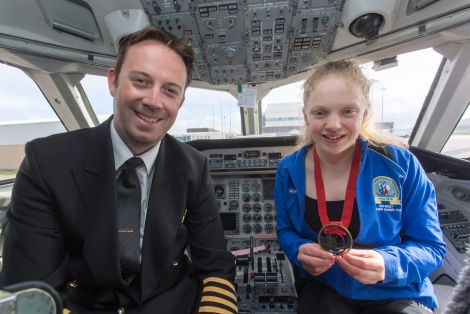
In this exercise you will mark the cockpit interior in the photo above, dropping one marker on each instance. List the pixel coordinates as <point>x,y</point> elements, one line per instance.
<point>247,49</point>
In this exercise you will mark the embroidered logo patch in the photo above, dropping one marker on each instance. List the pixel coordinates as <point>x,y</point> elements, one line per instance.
<point>386,194</point>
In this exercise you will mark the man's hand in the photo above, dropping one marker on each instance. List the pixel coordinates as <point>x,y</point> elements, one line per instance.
<point>314,259</point>
<point>366,266</point>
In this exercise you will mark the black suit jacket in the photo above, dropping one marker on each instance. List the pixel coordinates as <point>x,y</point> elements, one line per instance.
<point>62,226</point>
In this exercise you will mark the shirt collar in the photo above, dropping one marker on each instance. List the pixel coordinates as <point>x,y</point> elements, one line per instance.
<point>123,153</point>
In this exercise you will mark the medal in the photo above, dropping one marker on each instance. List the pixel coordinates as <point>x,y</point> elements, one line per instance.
<point>335,239</point>
<point>334,236</point>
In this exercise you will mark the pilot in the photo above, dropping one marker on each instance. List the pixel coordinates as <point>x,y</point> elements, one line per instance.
<point>122,217</point>
<point>356,214</point>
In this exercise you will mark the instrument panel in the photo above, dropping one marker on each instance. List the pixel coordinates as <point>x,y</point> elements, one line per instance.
<point>243,172</point>
<point>243,181</point>
<point>453,201</point>
<point>246,204</point>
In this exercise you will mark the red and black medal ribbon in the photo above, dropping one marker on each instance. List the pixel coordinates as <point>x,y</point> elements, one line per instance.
<point>334,236</point>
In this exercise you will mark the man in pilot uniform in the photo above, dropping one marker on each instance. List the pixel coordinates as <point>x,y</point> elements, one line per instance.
<point>67,223</point>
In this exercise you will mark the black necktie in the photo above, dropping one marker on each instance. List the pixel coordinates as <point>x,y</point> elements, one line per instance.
<point>128,217</point>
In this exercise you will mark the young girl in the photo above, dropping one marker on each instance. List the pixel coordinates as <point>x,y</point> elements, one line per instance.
<point>356,214</point>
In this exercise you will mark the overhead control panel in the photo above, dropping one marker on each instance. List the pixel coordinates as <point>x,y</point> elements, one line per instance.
<point>250,41</point>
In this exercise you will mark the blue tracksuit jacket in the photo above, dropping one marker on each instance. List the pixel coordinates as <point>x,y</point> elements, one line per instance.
<point>398,218</point>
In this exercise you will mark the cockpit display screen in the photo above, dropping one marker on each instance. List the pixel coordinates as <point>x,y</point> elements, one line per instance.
<point>229,222</point>
<point>268,188</point>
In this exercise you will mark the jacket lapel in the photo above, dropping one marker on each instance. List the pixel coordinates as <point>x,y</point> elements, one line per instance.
<point>167,203</point>
<point>96,184</point>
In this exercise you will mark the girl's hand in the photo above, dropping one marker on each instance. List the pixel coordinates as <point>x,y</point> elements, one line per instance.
<point>366,266</point>
<point>314,259</point>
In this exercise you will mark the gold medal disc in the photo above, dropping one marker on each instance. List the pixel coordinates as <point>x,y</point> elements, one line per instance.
<point>335,239</point>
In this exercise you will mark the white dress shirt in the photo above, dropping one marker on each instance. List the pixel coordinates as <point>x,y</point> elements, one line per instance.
<point>144,172</point>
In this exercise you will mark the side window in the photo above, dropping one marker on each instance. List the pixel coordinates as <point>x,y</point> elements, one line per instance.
<point>458,144</point>
<point>96,89</point>
<point>24,115</point>
<point>397,95</point>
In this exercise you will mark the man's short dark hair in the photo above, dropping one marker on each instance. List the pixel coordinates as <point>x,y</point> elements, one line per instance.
<point>177,44</point>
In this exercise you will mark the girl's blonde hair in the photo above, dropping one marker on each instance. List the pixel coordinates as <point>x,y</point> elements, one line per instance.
<point>350,71</point>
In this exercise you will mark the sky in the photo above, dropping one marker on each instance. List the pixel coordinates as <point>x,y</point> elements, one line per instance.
<point>400,91</point>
